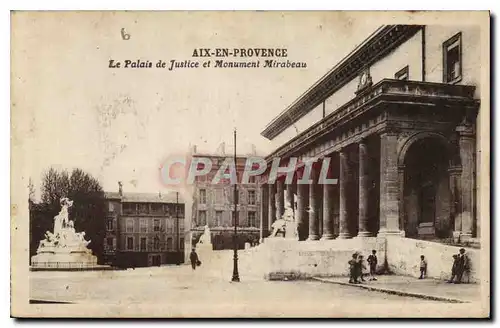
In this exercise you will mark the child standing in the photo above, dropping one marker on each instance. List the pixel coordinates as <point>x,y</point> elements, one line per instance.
<point>423,267</point>
<point>372,261</point>
<point>353,277</point>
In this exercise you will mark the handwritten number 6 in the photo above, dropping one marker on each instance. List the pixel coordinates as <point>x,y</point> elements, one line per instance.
<point>125,36</point>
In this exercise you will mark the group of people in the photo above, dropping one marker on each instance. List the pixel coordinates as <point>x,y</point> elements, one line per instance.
<point>459,267</point>
<point>357,266</point>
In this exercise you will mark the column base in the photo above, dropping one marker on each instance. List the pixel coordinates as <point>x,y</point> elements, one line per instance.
<point>362,234</point>
<point>312,237</point>
<point>344,235</point>
<point>465,236</point>
<point>389,233</point>
<point>327,237</point>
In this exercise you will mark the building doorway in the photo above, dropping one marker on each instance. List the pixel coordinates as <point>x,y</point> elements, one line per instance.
<point>426,189</point>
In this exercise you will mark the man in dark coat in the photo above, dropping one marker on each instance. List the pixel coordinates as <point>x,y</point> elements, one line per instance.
<point>454,268</point>
<point>193,257</point>
<point>462,266</point>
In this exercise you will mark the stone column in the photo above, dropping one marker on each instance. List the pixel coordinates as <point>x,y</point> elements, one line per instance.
<point>401,205</point>
<point>327,212</point>
<point>280,200</point>
<point>343,185</point>
<point>466,144</point>
<point>289,195</point>
<point>364,190</point>
<point>313,205</point>
<point>264,210</point>
<point>302,205</point>
<point>389,184</point>
<point>454,173</point>
<point>272,206</point>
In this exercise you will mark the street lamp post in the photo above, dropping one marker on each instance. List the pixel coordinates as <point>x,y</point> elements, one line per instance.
<point>236,276</point>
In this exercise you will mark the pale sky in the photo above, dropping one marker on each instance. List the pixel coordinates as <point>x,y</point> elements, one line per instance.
<point>118,124</point>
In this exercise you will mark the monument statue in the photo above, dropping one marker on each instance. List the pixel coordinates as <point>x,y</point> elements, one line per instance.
<point>204,246</point>
<point>206,238</point>
<point>64,248</point>
<point>286,225</point>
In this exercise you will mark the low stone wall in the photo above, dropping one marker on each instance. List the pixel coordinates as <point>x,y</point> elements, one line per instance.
<point>295,260</point>
<point>403,256</point>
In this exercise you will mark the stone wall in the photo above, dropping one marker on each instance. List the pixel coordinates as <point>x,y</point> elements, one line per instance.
<point>315,258</point>
<point>403,257</point>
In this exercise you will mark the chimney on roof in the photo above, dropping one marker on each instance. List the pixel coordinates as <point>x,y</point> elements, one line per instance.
<point>159,194</point>
<point>120,188</point>
<point>193,149</point>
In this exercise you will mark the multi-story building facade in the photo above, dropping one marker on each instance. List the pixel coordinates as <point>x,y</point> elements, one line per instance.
<point>213,205</point>
<point>144,229</point>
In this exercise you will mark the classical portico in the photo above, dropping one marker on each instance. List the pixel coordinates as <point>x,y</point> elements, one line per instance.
<point>403,154</point>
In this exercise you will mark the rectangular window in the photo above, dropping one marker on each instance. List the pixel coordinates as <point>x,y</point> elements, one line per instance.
<point>143,244</point>
<point>180,210</point>
<point>110,207</point>
<point>156,208</point>
<point>402,74</point>
<point>156,225</point>
<point>143,208</point>
<point>232,218</point>
<point>452,59</point>
<point>129,208</point>
<point>143,225</point>
<point>182,243</point>
<point>166,209</point>
<point>203,196</point>
<point>170,244</point>
<point>130,243</point>
<point>130,225</point>
<point>109,225</point>
<point>251,219</point>
<point>218,218</point>
<point>202,218</point>
<point>219,196</point>
<point>251,197</point>
<point>109,242</point>
<point>156,243</point>
<point>170,226</point>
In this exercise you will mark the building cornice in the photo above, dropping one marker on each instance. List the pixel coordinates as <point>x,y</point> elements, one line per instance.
<point>386,39</point>
<point>385,91</point>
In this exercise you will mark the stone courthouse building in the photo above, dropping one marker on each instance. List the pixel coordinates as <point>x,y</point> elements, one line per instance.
<point>398,120</point>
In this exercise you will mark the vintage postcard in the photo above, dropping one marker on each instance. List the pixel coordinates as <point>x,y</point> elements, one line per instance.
<point>192,164</point>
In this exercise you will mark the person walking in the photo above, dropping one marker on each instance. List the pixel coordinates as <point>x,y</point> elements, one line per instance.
<point>372,261</point>
<point>193,257</point>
